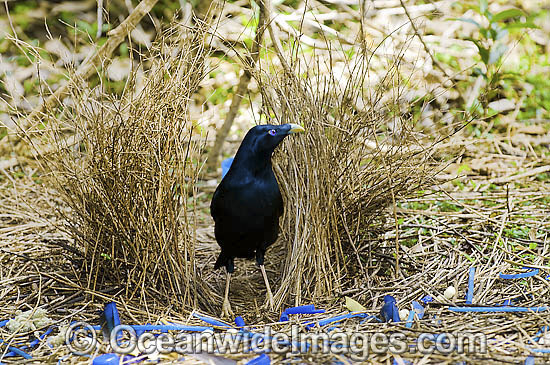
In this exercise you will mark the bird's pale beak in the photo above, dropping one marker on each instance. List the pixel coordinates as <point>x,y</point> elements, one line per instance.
<point>296,128</point>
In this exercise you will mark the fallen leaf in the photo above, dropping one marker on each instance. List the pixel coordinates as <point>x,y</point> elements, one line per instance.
<point>502,105</point>
<point>354,306</point>
<point>532,129</point>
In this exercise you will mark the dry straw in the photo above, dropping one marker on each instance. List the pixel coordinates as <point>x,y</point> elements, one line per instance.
<point>358,156</point>
<point>127,168</point>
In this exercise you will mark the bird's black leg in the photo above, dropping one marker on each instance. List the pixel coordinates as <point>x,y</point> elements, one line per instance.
<point>269,302</point>
<point>226,306</point>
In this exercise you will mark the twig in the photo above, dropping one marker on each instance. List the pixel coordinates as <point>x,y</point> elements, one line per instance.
<point>222,133</point>
<point>529,173</point>
<point>99,18</point>
<point>274,36</point>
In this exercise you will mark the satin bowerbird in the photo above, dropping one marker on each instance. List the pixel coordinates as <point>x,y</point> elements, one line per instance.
<point>247,204</point>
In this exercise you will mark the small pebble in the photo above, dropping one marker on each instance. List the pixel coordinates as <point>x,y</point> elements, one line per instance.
<point>450,292</point>
<point>403,314</point>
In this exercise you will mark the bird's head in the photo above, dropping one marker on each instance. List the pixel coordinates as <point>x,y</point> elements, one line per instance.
<point>262,140</point>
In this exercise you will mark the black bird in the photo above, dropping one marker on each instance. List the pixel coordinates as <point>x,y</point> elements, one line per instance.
<point>247,203</point>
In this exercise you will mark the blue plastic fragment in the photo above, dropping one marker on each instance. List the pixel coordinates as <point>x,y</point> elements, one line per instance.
<point>371,317</point>
<point>340,318</point>
<point>109,319</point>
<point>410,319</point>
<point>507,303</point>
<point>4,322</point>
<point>326,321</point>
<point>32,344</point>
<point>226,164</point>
<point>211,321</point>
<point>263,359</point>
<point>470,293</point>
<point>530,360</point>
<point>418,309</point>
<point>17,351</point>
<point>427,299</point>
<point>239,321</point>
<point>111,315</point>
<point>499,309</point>
<point>302,309</point>
<point>41,337</point>
<point>543,351</point>
<point>389,311</point>
<point>111,358</point>
<point>522,275</point>
<point>169,327</point>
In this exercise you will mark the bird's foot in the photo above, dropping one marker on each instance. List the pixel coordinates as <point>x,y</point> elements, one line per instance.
<point>226,310</point>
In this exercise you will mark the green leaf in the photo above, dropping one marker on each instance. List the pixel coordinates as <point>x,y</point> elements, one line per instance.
<point>483,52</point>
<point>521,25</point>
<point>506,14</point>
<point>484,32</point>
<point>463,167</point>
<point>478,72</point>
<point>354,306</point>
<point>467,20</point>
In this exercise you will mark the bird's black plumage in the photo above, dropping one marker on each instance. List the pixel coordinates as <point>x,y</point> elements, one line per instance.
<point>247,204</point>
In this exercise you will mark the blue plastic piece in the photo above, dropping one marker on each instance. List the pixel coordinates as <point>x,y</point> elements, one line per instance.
<point>41,337</point>
<point>530,360</point>
<point>263,359</point>
<point>340,318</point>
<point>522,275</point>
<point>410,319</point>
<point>17,351</point>
<point>371,317</point>
<point>389,311</point>
<point>108,359</point>
<point>109,319</point>
<point>542,351</point>
<point>427,299</point>
<point>211,321</point>
<point>239,321</point>
<point>507,303</point>
<point>418,309</point>
<point>302,309</point>
<point>169,327</point>
<point>499,309</point>
<point>470,293</point>
<point>226,164</point>
<point>4,322</point>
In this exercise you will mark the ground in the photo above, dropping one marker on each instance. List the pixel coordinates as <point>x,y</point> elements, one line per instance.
<point>480,101</point>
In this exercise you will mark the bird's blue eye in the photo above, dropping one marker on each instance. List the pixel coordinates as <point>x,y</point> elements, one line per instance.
<point>272,132</point>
